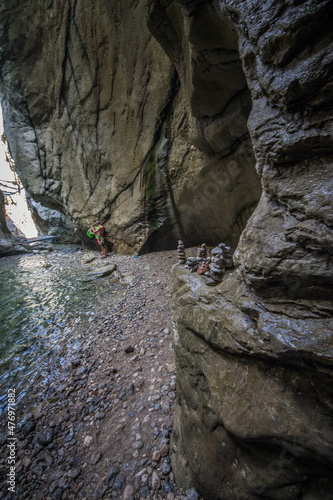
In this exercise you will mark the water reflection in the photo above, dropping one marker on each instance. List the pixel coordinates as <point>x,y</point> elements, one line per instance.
<point>40,309</point>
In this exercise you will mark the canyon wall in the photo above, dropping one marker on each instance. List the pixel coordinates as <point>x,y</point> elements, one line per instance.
<point>139,113</point>
<point>254,355</point>
<point>9,245</point>
<point>99,125</point>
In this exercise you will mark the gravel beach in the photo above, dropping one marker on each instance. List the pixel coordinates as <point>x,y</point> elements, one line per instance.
<point>101,428</point>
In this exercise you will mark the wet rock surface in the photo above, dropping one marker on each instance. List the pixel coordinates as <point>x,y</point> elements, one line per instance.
<point>254,392</point>
<point>98,123</point>
<point>254,355</point>
<point>102,427</point>
<point>9,244</point>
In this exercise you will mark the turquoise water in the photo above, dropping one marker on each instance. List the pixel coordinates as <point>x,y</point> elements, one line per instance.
<point>44,300</point>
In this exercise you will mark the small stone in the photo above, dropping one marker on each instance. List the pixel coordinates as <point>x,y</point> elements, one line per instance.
<point>74,473</point>
<point>118,484</point>
<point>69,437</point>
<point>96,457</point>
<point>57,495</point>
<point>46,436</point>
<point>156,456</point>
<point>88,440</point>
<point>142,471</point>
<point>81,371</point>
<point>144,492</point>
<point>137,445</point>
<point>165,468</point>
<point>192,495</point>
<point>75,362</point>
<point>26,462</point>
<point>28,427</point>
<point>128,492</point>
<point>167,487</point>
<point>155,481</point>
<point>130,390</point>
<point>129,349</point>
<point>137,483</point>
<point>114,471</point>
<point>164,450</point>
<point>144,479</point>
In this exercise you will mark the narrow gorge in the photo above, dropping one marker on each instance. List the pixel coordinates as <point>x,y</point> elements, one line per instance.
<point>204,121</point>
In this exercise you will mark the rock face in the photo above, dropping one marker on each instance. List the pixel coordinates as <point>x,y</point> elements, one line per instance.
<point>102,123</point>
<point>53,223</point>
<point>9,245</point>
<point>99,125</point>
<point>255,355</point>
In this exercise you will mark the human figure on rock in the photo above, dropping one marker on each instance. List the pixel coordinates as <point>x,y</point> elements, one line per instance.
<point>99,231</point>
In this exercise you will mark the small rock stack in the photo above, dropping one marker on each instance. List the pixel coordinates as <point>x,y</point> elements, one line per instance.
<point>181,253</point>
<point>217,266</point>
<point>229,263</point>
<point>202,254</point>
<point>192,264</point>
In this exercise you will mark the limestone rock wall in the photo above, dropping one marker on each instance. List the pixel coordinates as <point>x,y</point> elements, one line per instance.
<point>9,245</point>
<point>99,125</point>
<point>254,356</point>
<point>53,223</point>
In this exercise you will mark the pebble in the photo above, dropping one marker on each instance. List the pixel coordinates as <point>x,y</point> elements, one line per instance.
<point>144,492</point>
<point>192,495</point>
<point>165,468</point>
<point>113,472</point>
<point>144,479</point>
<point>164,450</point>
<point>118,484</point>
<point>28,427</point>
<point>137,445</point>
<point>155,481</point>
<point>46,436</point>
<point>156,457</point>
<point>128,492</point>
<point>88,440</point>
<point>57,495</point>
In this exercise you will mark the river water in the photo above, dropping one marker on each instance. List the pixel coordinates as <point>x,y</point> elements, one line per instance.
<point>45,301</point>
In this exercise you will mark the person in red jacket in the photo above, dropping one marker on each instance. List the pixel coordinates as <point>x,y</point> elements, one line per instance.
<point>99,231</point>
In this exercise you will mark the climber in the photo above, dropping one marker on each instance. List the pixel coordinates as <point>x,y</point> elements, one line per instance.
<point>99,231</point>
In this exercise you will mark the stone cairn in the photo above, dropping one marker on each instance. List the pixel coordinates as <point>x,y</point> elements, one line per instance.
<point>213,267</point>
<point>229,263</point>
<point>202,259</point>
<point>220,261</point>
<point>202,254</point>
<point>181,253</point>
<point>192,264</point>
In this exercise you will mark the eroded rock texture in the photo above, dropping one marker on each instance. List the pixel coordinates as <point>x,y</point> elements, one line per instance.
<point>254,356</point>
<point>53,223</point>
<point>9,245</point>
<point>99,125</point>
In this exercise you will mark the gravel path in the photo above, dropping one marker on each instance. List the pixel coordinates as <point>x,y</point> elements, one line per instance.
<point>101,430</point>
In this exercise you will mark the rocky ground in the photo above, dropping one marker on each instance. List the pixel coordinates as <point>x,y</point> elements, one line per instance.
<point>101,429</point>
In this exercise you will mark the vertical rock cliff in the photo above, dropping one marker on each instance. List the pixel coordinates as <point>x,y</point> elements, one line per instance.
<point>8,243</point>
<point>254,355</point>
<point>98,124</point>
<point>210,121</point>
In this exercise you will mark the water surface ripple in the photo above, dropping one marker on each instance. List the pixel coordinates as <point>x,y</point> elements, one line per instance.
<point>43,299</point>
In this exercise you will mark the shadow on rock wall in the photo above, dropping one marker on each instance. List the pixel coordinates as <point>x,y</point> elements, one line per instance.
<point>254,355</point>
<point>100,124</point>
